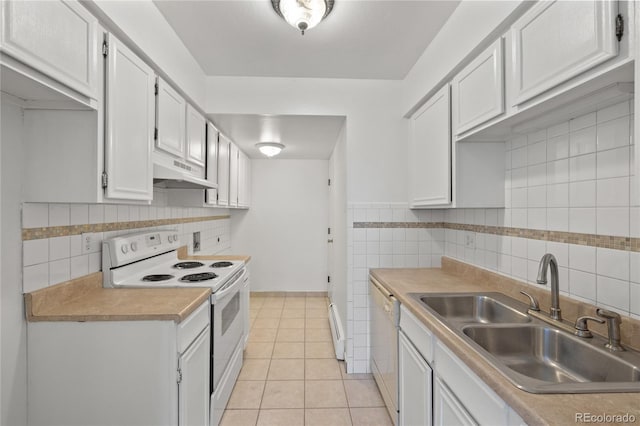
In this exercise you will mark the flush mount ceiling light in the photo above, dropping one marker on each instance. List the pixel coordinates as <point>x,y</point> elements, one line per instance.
<point>270,149</point>
<point>303,14</point>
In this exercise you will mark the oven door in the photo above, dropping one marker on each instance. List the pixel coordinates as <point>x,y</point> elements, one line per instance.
<point>227,325</point>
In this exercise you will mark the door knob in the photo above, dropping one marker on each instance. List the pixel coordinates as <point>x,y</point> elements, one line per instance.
<point>330,240</point>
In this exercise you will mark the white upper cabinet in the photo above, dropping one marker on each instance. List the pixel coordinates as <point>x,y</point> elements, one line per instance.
<point>224,147</point>
<point>244,180</point>
<point>196,137</point>
<point>557,40</point>
<point>211,195</point>
<point>478,90</point>
<point>58,38</point>
<point>170,115</point>
<point>233,175</point>
<point>130,112</point>
<point>430,152</point>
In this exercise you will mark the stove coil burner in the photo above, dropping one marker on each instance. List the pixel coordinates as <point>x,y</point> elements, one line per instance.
<point>188,265</point>
<point>221,264</point>
<point>157,277</point>
<point>203,276</point>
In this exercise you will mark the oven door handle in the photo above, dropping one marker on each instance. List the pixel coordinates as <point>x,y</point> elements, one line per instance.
<point>228,287</point>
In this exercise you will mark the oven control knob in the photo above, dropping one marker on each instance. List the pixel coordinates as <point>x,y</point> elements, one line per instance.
<point>170,238</point>
<point>134,246</point>
<point>125,249</point>
<point>175,237</point>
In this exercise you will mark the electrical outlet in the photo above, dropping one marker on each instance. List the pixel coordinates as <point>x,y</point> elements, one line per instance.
<point>89,243</point>
<point>196,241</point>
<point>470,240</point>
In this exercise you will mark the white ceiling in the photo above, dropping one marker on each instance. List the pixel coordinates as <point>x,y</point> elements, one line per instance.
<point>304,136</point>
<point>369,39</point>
<point>360,39</point>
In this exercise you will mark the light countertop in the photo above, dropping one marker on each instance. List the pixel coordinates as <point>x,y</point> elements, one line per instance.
<point>84,299</point>
<point>550,409</point>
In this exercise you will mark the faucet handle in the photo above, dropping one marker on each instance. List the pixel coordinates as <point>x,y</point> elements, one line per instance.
<point>533,302</point>
<point>609,315</point>
<point>582,330</point>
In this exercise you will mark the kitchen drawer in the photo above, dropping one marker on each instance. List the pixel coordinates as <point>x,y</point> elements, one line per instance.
<point>419,335</point>
<point>481,402</point>
<point>189,329</point>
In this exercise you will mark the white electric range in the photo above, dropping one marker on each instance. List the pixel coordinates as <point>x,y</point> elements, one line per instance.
<point>149,260</point>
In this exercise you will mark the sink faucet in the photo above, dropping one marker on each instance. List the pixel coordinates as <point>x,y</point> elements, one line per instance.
<point>549,260</point>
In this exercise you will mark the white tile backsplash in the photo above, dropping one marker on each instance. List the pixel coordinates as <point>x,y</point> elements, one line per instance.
<point>53,260</point>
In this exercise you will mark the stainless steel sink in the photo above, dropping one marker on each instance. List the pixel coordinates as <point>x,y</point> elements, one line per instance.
<point>475,308</point>
<point>542,358</point>
<point>533,355</point>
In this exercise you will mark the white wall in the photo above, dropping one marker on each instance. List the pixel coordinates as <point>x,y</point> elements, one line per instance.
<point>376,146</point>
<point>285,231</point>
<point>145,26</point>
<point>13,341</point>
<point>460,38</point>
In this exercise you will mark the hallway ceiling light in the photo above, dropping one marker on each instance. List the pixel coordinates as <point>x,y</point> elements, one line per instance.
<point>303,14</point>
<point>270,149</point>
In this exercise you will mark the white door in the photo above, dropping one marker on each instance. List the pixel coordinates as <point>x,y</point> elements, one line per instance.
<point>430,152</point>
<point>193,382</point>
<point>330,235</point>
<point>58,38</point>
<point>223,170</point>
<point>557,40</point>
<point>212,163</point>
<point>415,385</point>
<point>447,409</point>
<point>171,112</point>
<point>233,175</point>
<point>196,136</point>
<point>130,110</point>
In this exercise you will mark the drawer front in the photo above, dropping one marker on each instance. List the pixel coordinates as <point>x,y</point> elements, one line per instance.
<point>419,335</point>
<point>189,329</point>
<point>478,399</point>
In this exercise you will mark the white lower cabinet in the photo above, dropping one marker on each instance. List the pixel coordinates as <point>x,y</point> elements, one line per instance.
<point>447,409</point>
<point>120,372</point>
<point>415,385</point>
<point>437,388</point>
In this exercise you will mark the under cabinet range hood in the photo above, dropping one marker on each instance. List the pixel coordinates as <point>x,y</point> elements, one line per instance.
<point>174,177</point>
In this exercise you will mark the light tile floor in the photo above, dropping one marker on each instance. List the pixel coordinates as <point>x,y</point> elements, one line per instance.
<point>290,376</point>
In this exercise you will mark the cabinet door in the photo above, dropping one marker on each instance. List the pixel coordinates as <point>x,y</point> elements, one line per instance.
<point>196,136</point>
<point>58,38</point>
<point>557,40</point>
<point>233,175</point>
<point>130,110</point>
<point>224,146</point>
<point>415,385</point>
<point>430,152</point>
<point>193,385</point>
<point>244,180</point>
<point>478,90</point>
<point>447,409</point>
<point>171,111</point>
<point>212,163</point>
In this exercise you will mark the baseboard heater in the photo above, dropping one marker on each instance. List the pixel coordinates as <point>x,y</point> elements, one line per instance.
<point>337,332</point>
